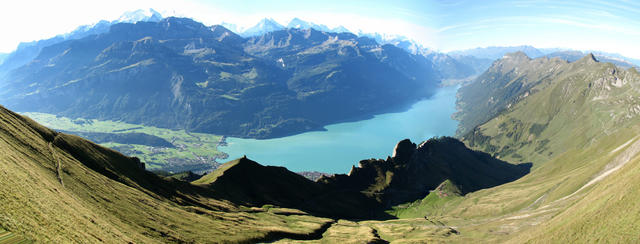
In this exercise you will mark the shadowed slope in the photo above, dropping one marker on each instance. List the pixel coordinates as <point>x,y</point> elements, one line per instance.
<point>246,181</point>
<point>413,171</point>
<point>370,189</point>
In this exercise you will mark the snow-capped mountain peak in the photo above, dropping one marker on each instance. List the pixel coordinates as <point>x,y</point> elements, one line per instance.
<point>139,15</point>
<point>265,25</point>
<point>301,24</point>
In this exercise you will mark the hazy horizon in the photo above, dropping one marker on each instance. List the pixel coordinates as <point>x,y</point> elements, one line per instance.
<point>609,26</point>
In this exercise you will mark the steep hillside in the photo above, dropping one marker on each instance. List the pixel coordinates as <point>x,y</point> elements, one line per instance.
<point>578,124</point>
<point>503,84</point>
<point>178,73</point>
<point>605,207</point>
<point>57,188</point>
<point>553,106</point>
<point>247,181</point>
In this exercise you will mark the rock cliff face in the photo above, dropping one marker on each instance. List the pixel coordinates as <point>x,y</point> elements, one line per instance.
<point>178,73</point>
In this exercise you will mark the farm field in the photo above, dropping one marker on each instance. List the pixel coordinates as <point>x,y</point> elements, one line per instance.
<point>159,148</point>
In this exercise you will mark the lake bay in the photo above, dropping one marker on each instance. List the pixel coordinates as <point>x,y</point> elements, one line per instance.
<point>345,144</point>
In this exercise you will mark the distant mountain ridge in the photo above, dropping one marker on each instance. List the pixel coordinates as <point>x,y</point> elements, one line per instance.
<point>449,67</point>
<point>27,51</point>
<point>573,56</point>
<point>497,52</point>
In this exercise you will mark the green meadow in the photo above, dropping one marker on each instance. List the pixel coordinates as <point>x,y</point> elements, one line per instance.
<point>191,151</point>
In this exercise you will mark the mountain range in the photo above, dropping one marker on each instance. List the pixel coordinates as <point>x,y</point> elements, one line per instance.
<point>178,73</point>
<point>449,67</point>
<point>497,52</point>
<point>300,81</point>
<point>27,51</point>
<point>267,25</point>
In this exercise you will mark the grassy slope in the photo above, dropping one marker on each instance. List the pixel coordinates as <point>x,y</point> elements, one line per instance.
<point>196,147</point>
<point>591,128</point>
<point>49,194</point>
<point>445,194</point>
<point>7,237</point>
<point>572,111</point>
<point>609,212</point>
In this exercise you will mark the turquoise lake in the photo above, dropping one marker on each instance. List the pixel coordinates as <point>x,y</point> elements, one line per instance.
<point>345,144</point>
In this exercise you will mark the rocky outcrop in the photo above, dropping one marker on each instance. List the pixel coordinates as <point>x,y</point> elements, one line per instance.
<point>369,189</point>
<point>414,171</point>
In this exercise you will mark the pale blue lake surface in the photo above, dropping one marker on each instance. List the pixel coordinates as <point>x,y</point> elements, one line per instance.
<point>345,144</point>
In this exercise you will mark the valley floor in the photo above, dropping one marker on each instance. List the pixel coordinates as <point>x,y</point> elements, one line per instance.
<point>197,152</point>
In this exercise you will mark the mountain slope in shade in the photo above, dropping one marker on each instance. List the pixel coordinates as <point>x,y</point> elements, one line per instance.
<point>370,189</point>
<point>415,170</point>
<point>246,182</point>
<point>178,73</point>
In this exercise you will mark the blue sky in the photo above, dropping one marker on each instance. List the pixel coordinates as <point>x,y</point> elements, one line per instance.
<point>446,25</point>
<point>607,25</point>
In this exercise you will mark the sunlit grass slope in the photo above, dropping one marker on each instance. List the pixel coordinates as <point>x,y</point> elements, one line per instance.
<point>579,126</point>
<point>57,188</point>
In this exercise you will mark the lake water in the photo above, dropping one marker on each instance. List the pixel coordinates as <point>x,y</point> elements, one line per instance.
<point>345,144</point>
